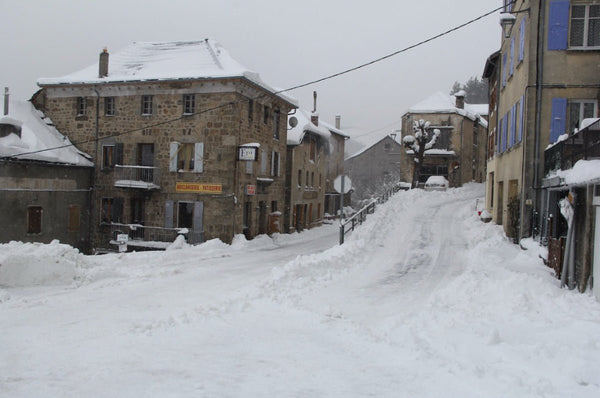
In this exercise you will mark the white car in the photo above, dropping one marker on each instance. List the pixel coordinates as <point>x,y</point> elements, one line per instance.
<point>436,183</point>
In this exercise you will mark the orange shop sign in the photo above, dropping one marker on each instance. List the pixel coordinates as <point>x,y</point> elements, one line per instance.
<point>198,187</point>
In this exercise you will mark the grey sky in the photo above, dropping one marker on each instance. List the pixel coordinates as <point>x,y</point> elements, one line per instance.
<point>288,43</point>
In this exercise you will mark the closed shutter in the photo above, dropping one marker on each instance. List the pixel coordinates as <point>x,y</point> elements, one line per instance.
<point>263,162</point>
<point>504,57</point>
<point>278,164</point>
<point>522,40</point>
<point>521,118</point>
<point>499,137</point>
<point>272,163</point>
<point>198,222</point>
<point>559,118</point>
<point>173,148</point>
<point>169,214</point>
<point>118,158</point>
<point>199,157</point>
<point>504,129</point>
<point>558,25</point>
<point>512,56</point>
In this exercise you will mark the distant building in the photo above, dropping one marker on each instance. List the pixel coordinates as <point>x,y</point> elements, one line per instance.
<point>184,138</point>
<point>459,153</point>
<point>45,194</point>
<point>374,169</point>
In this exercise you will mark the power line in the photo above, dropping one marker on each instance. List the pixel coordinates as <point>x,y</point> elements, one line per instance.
<point>458,27</point>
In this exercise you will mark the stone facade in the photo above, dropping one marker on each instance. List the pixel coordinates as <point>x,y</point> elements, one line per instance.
<point>459,153</point>
<point>224,196</point>
<point>43,201</point>
<point>335,168</point>
<point>374,169</point>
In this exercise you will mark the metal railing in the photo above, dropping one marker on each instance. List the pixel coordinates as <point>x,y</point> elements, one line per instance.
<point>153,237</point>
<point>583,145</point>
<point>143,177</point>
<point>359,217</point>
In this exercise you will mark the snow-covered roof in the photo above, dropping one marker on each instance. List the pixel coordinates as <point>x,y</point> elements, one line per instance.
<point>363,150</point>
<point>177,60</point>
<point>444,103</point>
<point>295,135</point>
<point>332,129</point>
<point>38,135</point>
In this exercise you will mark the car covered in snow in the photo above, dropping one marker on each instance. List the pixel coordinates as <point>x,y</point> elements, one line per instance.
<point>436,183</point>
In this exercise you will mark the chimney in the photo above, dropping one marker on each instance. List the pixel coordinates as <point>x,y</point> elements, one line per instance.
<point>460,99</point>
<point>338,122</point>
<point>103,64</point>
<point>314,117</point>
<point>6,95</point>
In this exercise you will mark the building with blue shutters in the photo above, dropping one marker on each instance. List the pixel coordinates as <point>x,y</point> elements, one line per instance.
<point>544,82</point>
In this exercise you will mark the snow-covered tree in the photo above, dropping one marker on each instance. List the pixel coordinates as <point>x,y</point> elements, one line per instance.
<point>423,138</point>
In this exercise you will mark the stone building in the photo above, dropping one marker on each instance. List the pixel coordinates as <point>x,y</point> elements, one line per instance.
<point>184,140</point>
<point>374,169</point>
<point>335,165</point>
<point>459,153</point>
<point>547,78</point>
<point>307,156</point>
<point>44,192</point>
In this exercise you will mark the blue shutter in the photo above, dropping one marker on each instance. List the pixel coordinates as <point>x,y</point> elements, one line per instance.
<point>522,40</point>
<point>558,25</point>
<point>559,118</point>
<point>503,69</point>
<point>512,56</point>
<point>504,129</point>
<point>521,118</point>
<point>499,136</point>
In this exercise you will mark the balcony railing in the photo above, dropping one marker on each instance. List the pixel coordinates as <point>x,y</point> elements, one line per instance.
<point>583,145</point>
<point>139,177</point>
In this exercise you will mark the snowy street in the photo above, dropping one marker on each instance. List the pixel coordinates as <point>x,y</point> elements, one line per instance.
<point>423,300</point>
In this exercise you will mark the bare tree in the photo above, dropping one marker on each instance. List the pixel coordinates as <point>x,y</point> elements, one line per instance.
<point>423,138</point>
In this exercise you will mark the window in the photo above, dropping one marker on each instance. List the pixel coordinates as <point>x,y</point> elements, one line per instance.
<point>249,166</point>
<point>112,154</point>
<point>387,146</point>
<point>263,162</point>
<point>34,220</point>
<point>189,104</point>
<point>312,179</point>
<point>273,206</point>
<point>74,220</point>
<point>508,5</point>
<point>306,181</point>
<point>186,157</point>
<point>275,164</point>
<point>109,106</point>
<point>299,177</point>
<point>312,150</point>
<point>512,57</point>
<point>265,114</point>
<point>585,26</point>
<point>112,210</point>
<point>81,106</point>
<point>146,105</point>
<point>579,110</point>
<point>250,109</point>
<point>276,124</point>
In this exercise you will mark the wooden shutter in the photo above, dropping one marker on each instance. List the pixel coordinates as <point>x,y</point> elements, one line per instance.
<point>522,40</point>
<point>169,214</point>
<point>118,155</point>
<point>558,25</point>
<point>559,118</point>
<point>173,148</point>
<point>521,118</point>
<point>512,57</point>
<point>198,157</point>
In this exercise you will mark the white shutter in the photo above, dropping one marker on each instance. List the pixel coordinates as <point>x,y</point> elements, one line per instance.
<point>263,162</point>
<point>273,163</point>
<point>199,157</point>
<point>174,147</point>
<point>278,164</point>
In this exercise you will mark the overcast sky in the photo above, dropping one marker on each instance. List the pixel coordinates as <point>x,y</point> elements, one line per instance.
<point>286,42</point>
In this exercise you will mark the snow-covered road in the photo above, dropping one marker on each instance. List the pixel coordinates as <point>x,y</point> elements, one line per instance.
<point>423,300</point>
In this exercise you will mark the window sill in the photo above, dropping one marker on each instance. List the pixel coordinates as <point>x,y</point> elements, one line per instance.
<point>582,49</point>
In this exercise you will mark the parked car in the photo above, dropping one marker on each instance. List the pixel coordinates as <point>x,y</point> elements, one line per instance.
<point>436,183</point>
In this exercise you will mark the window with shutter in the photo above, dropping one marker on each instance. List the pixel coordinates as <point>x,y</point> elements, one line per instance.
<point>504,57</point>
<point>512,57</point>
<point>558,25</point>
<point>585,26</point>
<point>522,40</point>
<point>558,119</point>
<point>521,118</point>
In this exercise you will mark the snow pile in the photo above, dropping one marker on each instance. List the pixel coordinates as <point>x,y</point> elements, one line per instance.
<point>584,171</point>
<point>30,264</point>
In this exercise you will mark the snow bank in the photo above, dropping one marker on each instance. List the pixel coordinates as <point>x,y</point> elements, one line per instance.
<point>34,264</point>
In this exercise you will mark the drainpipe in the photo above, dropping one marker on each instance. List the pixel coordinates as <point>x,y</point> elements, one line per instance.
<point>93,216</point>
<point>538,117</point>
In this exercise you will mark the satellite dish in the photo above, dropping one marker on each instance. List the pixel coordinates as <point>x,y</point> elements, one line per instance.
<point>293,121</point>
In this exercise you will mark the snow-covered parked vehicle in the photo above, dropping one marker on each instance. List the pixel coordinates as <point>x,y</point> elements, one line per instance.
<point>436,183</point>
